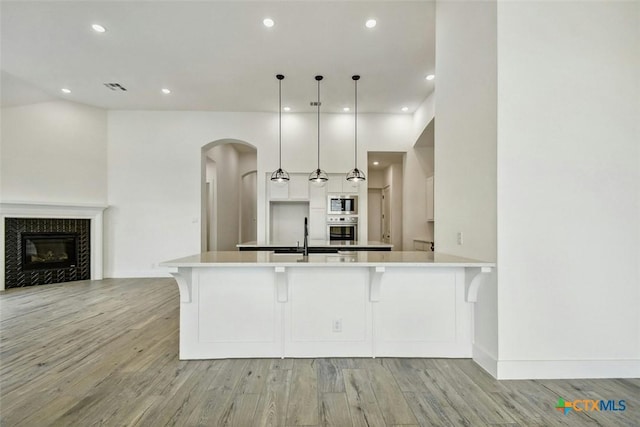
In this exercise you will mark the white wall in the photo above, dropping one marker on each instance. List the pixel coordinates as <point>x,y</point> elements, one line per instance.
<point>568,189</point>
<point>375,179</point>
<point>418,165</point>
<point>393,178</point>
<point>54,152</point>
<point>465,134</point>
<point>424,115</point>
<point>465,150</point>
<point>155,164</point>
<point>227,181</point>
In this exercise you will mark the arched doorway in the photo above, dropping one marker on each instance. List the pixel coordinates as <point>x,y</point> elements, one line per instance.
<point>228,190</point>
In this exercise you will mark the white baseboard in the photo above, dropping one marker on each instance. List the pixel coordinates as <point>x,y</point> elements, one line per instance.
<point>120,274</point>
<point>485,360</point>
<point>566,369</point>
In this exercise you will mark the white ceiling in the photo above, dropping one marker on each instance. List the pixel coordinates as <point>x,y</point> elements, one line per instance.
<point>218,56</point>
<point>384,159</point>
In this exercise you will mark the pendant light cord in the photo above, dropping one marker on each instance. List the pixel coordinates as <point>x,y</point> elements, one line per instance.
<point>280,123</point>
<point>318,124</point>
<point>356,124</point>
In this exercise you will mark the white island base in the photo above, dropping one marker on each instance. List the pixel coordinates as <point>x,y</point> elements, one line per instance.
<point>366,304</point>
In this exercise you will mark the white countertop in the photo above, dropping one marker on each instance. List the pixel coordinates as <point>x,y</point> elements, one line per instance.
<point>353,259</point>
<point>422,239</point>
<point>316,244</point>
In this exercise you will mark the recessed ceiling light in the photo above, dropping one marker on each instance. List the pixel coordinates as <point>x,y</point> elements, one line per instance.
<point>376,163</point>
<point>268,22</point>
<point>98,28</point>
<point>166,91</point>
<point>65,90</point>
<point>346,109</point>
<point>405,108</point>
<point>370,23</point>
<point>430,77</point>
<point>287,108</point>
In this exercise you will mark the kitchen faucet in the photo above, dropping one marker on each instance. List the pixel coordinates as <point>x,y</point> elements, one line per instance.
<point>306,238</point>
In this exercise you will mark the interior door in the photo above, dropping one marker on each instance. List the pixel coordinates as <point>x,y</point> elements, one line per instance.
<point>386,214</point>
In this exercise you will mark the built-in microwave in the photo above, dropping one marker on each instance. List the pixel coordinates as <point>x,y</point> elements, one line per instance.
<point>342,205</point>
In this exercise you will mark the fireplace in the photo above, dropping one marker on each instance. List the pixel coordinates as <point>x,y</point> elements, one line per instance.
<point>40,251</point>
<point>44,251</point>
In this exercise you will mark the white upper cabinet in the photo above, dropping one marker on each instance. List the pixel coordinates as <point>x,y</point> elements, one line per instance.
<point>338,184</point>
<point>299,186</point>
<point>278,190</point>
<point>349,187</point>
<point>317,196</point>
<point>335,183</point>
<point>296,189</point>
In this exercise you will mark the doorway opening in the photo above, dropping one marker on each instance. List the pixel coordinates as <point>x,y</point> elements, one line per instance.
<point>385,187</point>
<point>229,194</point>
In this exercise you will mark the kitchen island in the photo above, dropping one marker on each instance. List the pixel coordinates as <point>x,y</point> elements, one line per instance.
<point>358,304</point>
<point>316,246</point>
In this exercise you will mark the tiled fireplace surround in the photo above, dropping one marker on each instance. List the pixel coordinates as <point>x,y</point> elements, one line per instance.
<point>94,213</point>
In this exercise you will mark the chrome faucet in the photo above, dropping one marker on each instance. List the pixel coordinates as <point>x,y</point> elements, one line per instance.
<point>306,237</point>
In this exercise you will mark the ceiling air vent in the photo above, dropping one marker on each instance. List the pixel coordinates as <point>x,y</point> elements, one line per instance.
<point>115,86</point>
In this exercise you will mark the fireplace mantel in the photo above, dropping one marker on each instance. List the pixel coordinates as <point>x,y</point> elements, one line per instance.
<point>94,212</point>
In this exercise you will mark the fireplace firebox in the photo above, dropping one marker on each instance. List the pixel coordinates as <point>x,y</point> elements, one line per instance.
<point>40,251</point>
<point>44,251</point>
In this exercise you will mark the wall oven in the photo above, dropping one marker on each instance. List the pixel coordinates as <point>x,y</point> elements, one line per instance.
<point>342,228</point>
<point>342,205</point>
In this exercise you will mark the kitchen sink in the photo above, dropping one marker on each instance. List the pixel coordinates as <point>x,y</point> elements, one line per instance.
<point>311,251</point>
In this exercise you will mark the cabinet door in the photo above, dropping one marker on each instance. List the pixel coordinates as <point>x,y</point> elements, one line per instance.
<point>299,187</point>
<point>318,224</point>
<point>430,199</point>
<point>335,183</point>
<point>317,196</point>
<point>278,190</point>
<point>349,187</point>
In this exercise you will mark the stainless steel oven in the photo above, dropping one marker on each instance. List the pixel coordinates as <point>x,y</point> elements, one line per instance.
<point>342,228</point>
<point>342,205</point>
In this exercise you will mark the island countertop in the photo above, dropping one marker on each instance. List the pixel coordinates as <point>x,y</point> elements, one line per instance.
<point>341,259</point>
<point>313,244</point>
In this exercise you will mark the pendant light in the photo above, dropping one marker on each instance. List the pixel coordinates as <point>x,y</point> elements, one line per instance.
<point>355,174</point>
<point>318,176</point>
<point>280,175</point>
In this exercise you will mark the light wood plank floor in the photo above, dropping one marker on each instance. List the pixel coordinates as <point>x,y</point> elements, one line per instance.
<point>106,353</point>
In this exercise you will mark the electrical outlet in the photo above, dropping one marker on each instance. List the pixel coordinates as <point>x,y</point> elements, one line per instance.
<point>337,325</point>
<point>460,240</point>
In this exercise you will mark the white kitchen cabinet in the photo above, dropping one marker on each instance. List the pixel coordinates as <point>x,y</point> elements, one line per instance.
<point>349,187</point>
<point>335,183</point>
<point>278,190</point>
<point>299,186</point>
<point>338,184</point>
<point>430,210</point>
<point>318,223</point>
<point>317,196</point>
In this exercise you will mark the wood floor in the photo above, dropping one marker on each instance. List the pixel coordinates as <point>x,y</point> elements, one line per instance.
<point>106,353</point>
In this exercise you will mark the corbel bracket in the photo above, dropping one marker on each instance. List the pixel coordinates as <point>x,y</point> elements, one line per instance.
<point>474,277</point>
<point>375,283</point>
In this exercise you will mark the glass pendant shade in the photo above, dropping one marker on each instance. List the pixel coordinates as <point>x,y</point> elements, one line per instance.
<point>280,175</point>
<point>355,174</point>
<point>318,176</point>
